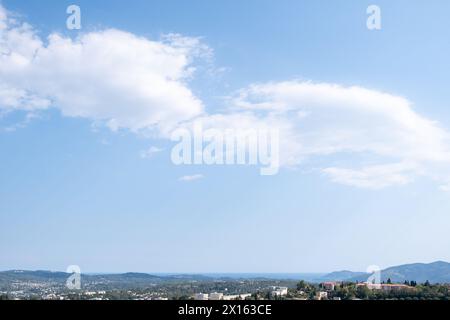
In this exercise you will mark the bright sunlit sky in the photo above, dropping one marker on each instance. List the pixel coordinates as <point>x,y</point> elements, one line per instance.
<point>366,174</point>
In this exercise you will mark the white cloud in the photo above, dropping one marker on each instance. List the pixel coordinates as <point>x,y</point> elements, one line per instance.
<point>112,76</point>
<point>3,17</point>
<point>445,188</point>
<point>15,98</point>
<point>191,178</point>
<point>350,119</point>
<point>356,136</point>
<point>150,152</point>
<point>374,177</point>
<point>21,124</point>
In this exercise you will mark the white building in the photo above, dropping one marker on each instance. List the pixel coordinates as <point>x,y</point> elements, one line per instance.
<point>329,286</point>
<point>322,295</point>
<point>201,296</point>
<point>216,296</point>
<point>237,296</point>
<point>279,291</point>
<point>386,287</point>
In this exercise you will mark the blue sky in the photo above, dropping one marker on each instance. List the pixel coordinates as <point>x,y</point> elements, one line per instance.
<point>74,191</point>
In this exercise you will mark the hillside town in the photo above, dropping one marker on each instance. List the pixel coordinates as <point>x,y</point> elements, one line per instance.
<point>225,290</point>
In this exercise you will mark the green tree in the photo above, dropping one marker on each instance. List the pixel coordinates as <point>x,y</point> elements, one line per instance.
<point>362,292</point>
<point>302,286</point>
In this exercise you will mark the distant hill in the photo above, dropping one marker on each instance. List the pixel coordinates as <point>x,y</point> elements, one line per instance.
<point>436,272</point>
<point>342,276</point>
<point>146,279</point>
<point>22,275</point>
<point>125,280</point>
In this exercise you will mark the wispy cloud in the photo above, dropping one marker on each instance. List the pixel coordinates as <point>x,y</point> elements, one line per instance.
<point>356,136</point>
<point>150,152</point>
<point>191,178</point>
<point>29,117</point>
<point>375,176</point>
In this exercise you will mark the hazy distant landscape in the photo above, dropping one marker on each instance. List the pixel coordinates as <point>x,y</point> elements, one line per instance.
<point>403,280</point>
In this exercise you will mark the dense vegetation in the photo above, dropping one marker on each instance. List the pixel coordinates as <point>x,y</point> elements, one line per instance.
<point>351,290</point>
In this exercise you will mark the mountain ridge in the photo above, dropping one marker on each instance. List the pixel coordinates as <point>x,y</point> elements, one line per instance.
<point>434,272</point>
